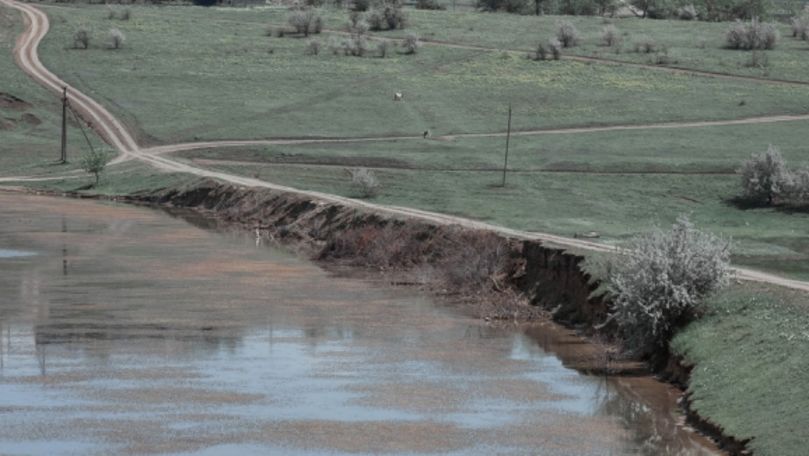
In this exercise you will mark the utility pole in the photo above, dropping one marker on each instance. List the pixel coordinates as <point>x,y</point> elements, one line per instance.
<point>508,138</point>
<point>63,157</point>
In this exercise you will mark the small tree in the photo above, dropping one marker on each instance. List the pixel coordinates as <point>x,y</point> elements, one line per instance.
<point>658,284</point>
<point>312,48</point>
<point>611,36</point>
<point>305,21</point>
<point>117,38</point>
<point>765,176</point>
<point>556,48</point>
<point>94,161</point>
<point>751,35</point>
<point>382,49</point>
<point>364,182</point>
<point>567,34</point>
<point>81,38</point>
<point>411,43</point>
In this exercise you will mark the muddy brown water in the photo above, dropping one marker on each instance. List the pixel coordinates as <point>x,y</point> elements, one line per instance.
<point>125,330</point>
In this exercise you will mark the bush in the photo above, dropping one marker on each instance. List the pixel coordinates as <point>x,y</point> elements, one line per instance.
<point>125,14</point>
<point>646,45</point>
<point>117,38</point>
<point>657,285</point>
<point>81,39</point>
<point>509,6</point>
<point>567,34</point>
<point>364,182</point>
<point>389,16</point>
<point>361,5</point>
<point>313,48</point>
<point>94,161</point>
<point>556,48</point>
<point>429,5</point>
<point>305,21</point>
<point>477,261</point>
<point>411,43</point>
<point>687,13</point>
<point>751,35</point>
<point>765,177</point>
<point>382,48</point>
<point>540,54</point>
<point>800,25</point>
<point>611,36</point>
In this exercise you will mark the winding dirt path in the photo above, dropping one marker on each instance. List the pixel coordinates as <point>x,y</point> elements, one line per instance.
<point>113,131</point>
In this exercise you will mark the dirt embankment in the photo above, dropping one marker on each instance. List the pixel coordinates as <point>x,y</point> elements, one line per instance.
<point>503,278</point>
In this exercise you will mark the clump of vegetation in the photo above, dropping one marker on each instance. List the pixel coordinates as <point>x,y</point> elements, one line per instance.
<point>123,15</point>
<point>687,12</point>
<point>313,47</point>
<point>611,36</point>
<point>646,45</point>
<point>382,48</point>
<point>81,38</point>
<point>411,43</point>
<point>94,161</point>
<point>555,47</point>
<point>508,6</point>
<point>429,5</point>
<point>567,34</point>
<point>388,16</point>
<point>657,285</point>
<point>800,24</point>
<point>117,38</point>
<point>364,182</point>
<point>751,35</point>
<point>305,21</point>
<point>766,179</point>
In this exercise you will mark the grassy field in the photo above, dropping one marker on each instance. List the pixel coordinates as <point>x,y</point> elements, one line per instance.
<point>196,73</point>
<point>614,183</point>
<point>750,352</point>
<point>30,117</point>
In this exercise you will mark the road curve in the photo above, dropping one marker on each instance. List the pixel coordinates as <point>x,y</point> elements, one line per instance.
<point>119,137</point>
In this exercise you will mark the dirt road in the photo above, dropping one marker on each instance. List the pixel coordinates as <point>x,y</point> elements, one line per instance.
<point>113,131</point>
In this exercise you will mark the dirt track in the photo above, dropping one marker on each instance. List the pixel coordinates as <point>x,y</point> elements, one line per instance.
<point>118,136</point>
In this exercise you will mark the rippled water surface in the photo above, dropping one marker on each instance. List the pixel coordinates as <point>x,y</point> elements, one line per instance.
<point>129,331</point>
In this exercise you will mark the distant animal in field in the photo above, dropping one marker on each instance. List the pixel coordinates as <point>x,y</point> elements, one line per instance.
<point>426,134</point>
<point>398,96</point>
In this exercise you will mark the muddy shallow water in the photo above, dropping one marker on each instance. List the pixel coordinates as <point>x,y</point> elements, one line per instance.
<point>126,330</point>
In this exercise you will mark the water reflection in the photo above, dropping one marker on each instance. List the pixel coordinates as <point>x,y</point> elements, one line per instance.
<point>134,332</point>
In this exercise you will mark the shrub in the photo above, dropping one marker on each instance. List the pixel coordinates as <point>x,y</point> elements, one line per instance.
<point>382,48</point>
<point>751,35</point>
<point>556,48</point>
<point>765,177</point>
<point>94,161</point>
<point>658,284</point>
<point>477,261</point>
<point>411,43</point>
<point>364,182</point>
<point>389,16</point>
<point>125,15</point>
<point>360,5</point>
<point>81,38</point>
<point>567,34</point>
<point>800,24</point>
<point>305,21</point>
<point>117,38</point>
<point>646,45</point>
<point>509,6</point>
<point>611,36</point>
<point>799,187</point>
<point>687,13</point>
<point>429,5</point>
<point>313,47</point>
<point>540,54</point>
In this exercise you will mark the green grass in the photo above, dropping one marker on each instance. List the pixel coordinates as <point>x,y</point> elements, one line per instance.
<point>195,73</point>
<point>691,44</point>
<point>30,133</point>
<point>615,183</point>
<point>751,366</point>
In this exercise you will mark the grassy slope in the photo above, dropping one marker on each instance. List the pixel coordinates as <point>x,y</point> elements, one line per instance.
<point>544,194</point>
<point>696,45</point>
<point>27,148</point>
<point>751,366</point>
<point>185,70</point>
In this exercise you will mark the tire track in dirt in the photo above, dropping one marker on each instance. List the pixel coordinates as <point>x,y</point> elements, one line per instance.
<point>114,132</point>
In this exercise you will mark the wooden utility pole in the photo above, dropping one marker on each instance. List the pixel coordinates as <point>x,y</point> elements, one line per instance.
<point>508,138</point>
<point>63,157</point>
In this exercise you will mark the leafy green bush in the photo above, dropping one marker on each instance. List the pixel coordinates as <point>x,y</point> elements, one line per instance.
<point>751,35</point>
<point>657,285</point>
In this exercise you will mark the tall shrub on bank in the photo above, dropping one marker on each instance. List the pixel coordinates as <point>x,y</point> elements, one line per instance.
<point>659,282</point>
<point>567,34</point>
